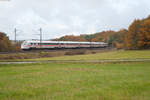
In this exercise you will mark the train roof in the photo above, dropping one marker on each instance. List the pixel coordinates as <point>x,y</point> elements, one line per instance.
<point>37,41</point>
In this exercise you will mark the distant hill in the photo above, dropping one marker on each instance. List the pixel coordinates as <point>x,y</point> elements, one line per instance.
<point>111,37</point>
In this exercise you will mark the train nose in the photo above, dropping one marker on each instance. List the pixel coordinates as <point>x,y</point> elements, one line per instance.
<point>23,47</point>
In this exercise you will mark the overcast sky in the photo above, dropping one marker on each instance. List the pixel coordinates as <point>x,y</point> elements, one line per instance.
<point>63,17</point>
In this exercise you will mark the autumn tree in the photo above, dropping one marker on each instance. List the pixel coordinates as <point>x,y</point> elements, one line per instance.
<point>138,35</point>
<point>103,36</point>
<point>144,35</point>
<point>5,44</point>
<point>131,38</point>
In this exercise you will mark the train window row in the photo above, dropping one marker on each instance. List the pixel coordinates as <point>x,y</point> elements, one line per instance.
<point>57,44</point>
<point>44,43</point>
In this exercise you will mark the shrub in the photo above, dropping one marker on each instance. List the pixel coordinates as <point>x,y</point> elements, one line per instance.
<point>79,52</point>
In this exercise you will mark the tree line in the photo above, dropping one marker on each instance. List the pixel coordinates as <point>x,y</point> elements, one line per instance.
<point>137,36</point>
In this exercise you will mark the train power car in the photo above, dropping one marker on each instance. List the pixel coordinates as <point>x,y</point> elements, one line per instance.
<point>36,44</point>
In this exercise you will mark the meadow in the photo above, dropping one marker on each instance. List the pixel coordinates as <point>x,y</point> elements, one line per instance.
<point>75,81</point>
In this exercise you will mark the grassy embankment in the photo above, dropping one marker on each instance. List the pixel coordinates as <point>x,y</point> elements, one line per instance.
<point>55,81</point>
<point>135,54</point>
<point>44,54</point>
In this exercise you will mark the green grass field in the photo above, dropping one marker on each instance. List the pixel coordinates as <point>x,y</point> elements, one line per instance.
<point>134,54</point>
<point>78,81</point>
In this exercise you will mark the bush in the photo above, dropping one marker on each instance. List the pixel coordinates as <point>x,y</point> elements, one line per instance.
<point>79,52</point>
<point>45,54</point>
<point>93,52</point>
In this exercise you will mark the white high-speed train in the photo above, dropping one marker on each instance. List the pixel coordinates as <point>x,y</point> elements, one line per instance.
<point>36,44</point>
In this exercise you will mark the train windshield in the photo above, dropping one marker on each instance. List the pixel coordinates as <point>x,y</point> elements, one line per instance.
<point>25,43</point>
